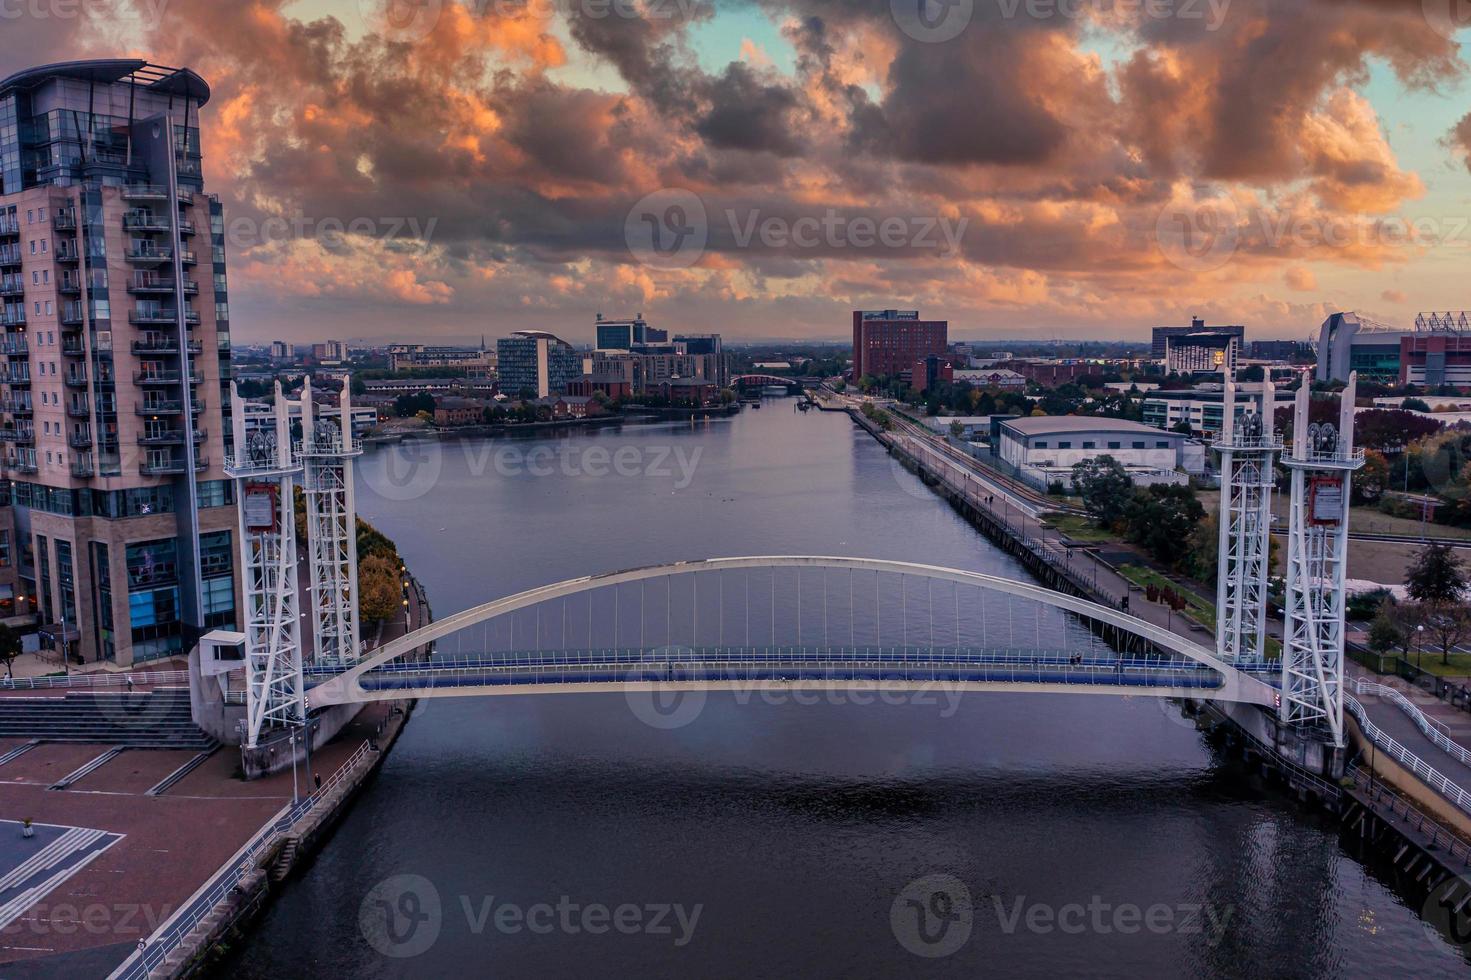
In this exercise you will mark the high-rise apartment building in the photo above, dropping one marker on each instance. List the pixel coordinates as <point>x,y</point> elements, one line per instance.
<point>115,359</point>
<point>887,343</point>
<point>536,362</point>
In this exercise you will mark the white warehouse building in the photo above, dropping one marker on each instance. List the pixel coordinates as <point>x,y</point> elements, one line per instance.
<point>1044,450</point>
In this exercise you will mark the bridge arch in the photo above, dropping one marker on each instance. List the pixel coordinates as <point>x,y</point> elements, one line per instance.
<point>1236,685</point>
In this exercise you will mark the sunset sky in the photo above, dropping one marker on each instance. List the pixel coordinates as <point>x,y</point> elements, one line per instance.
<point>1313,155</point>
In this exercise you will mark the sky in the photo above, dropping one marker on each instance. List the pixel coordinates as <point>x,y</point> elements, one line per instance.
<point>435,171</point>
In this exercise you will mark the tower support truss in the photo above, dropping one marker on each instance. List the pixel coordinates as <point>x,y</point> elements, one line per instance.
<point>1322,460</point>
<point>265,469</point>
<point>1248,446</point>
<point>327,452</point>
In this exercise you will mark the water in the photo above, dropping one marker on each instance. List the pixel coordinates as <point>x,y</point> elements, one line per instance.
<point>1091,835</point>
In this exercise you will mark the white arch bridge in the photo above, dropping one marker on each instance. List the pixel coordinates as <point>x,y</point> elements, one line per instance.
<point>828,622</point>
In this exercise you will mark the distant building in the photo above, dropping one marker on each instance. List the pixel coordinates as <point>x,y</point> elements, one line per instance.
<point>700,343</point>
<point>887,343</point>
<point>1002,378</point>
<point>613,386</point>
<point>1044,449</point>
<point>418,356</point>
<point>1199,349</point>
<point>688,391</point>
<point>1050,374</point>
<point>1280,351</point>
<point>623,334</point>
<point>930,371</point>
<point>281,351</point>
<point>1436,353</point>
<point>1202,407</point>
<point>453,410</point>
<point>536,361</point>
<point>1160,341</point>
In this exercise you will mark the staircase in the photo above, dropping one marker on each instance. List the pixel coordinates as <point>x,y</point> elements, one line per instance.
<point>159,719</point>
<point>287,857</point>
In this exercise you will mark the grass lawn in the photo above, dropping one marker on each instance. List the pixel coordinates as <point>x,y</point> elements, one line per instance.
<point>1077,527</point>
<point>1429,660</point>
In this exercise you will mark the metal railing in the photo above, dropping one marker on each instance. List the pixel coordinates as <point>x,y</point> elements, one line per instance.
<point>1380,793</point>
<point>1405,757</point>
<point>172,933</point>
<point>1429,727</point>
<point>99,679</point>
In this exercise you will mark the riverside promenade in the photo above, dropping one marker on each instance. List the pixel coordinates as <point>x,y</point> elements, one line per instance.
<point>124,861</point>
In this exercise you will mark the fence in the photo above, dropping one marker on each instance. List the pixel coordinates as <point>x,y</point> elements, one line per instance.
<point>99,679</point>
<point>1406,758</point>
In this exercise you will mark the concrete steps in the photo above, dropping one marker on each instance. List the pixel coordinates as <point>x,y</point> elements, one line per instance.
<point>143,719</point>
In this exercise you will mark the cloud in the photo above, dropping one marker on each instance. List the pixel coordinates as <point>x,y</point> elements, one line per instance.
<point>1300,279</point>
<point>1394,296</point>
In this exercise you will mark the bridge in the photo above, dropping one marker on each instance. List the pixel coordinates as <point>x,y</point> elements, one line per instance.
<point>817,621</point>
<point>762,380</point>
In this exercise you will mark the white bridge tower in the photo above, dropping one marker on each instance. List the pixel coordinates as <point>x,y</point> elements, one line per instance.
<point>1322,461</point>
<point>264,469</point>
<point>1248,448</point>
<point>327,451</point>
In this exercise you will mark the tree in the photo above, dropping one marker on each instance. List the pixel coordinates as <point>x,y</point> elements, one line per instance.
<point>407,405</point>
<point>1447,625</point>
<point>1385,633</point>
<point>1436,577</point>
<point>957,429</point>
<point>1415,405</point>
<point>380,590</point>
<point>1161,518</point>
<point>1105,487</point>
<point>10,647</point>
<point>1370,482</point>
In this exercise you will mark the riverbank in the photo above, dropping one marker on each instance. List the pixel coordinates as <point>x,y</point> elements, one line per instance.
<point>638,415</point>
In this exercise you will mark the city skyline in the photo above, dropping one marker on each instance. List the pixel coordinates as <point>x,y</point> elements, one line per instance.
<point>491,168</point>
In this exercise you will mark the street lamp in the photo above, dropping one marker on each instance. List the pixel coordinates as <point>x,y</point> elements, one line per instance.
<point>295,793</point>
<point>1419,642</point>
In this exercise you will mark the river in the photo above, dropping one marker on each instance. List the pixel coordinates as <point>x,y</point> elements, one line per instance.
<point>1004,835</point>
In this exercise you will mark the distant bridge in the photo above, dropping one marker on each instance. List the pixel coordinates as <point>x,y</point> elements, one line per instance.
<point>740,643</point>
<point>773,380</point>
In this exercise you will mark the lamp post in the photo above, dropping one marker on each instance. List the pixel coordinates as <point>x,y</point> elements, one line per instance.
<point>295,793</point>
<point>1419,642</point>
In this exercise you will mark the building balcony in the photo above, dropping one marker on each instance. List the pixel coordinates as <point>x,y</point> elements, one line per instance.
<point>150,284</point>
<point>16,374</point>
<point>10,255</point>
<point>75,379</point>
<point>164,345</point>
<point>9,226</point>
<point>67,252</point>
<point>12,286</point>
<point>166,406</point>
<point>146,192</point>
<point>149,254</point>
<point>79,408</point>
<point>164,317</point>
<point>146,221</point>
<point>83,467</point>
<point>14,317</point>
<point>160,378</point>
<point>72,314</point>
<point>69,285</point>
<point>186,227</point>
<point>15,344</point>
<point>71,347</point>
<point>20,404</point>
<point>21,434</point>
<point>172,437</point>
<point>21,464</point>
<point>80,440</point>
<point>173,466</point>
<point>64,219</point>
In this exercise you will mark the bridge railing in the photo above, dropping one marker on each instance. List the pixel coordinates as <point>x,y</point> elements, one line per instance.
<point>93,680</point>
<point>1387,744</point>
<point>1428,726</point>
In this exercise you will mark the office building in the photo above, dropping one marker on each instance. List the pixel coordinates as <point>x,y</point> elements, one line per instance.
<point>623,334</point>
<point>887,343</point>
<point>535,362</point>
<point>1044,449</point>
<point>1199,349</point>
<point>476,360</point>
<point>114,389</point>
<point>1202,407</point>
<point>1160,340</point>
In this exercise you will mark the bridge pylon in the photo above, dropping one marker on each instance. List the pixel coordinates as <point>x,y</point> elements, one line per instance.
<point>264,468</point>
<point>327,451</point>
<point>1248,446</point>
<point>1322,460</point>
